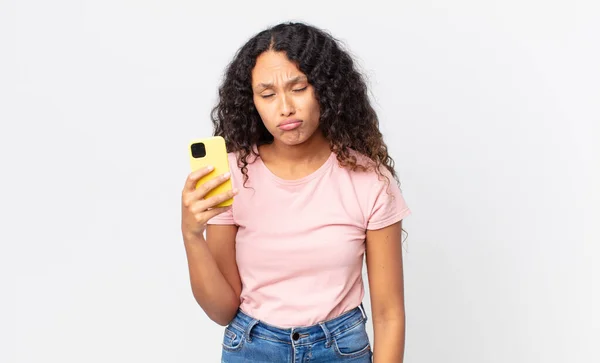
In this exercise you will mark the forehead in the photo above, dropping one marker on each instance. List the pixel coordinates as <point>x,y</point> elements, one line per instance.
<point>273,64</point>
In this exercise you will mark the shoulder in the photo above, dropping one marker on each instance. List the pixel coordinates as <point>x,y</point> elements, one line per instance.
<point>372,179</point>
<point>237,162</point>
<point>236,156</point>
<point>232,156</point>
<point>367,179</point>
<point>379,194</point>
<point>368,171</point>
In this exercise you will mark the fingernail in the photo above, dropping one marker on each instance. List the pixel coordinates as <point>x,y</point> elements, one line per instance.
<point>226,175</point>
<point>210,167</point>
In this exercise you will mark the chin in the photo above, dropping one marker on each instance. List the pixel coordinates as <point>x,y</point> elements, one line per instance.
<point>294,139</point>
<point>295,142</point>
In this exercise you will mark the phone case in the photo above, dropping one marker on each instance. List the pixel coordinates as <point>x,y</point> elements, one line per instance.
<point>216,155</point>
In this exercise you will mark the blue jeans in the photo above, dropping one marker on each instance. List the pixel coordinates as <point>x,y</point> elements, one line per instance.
<point>342,339</point>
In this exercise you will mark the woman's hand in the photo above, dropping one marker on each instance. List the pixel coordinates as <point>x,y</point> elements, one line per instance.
<point>195,210</point>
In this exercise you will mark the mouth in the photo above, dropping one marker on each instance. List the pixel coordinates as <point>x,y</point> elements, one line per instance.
<point>288,125</point>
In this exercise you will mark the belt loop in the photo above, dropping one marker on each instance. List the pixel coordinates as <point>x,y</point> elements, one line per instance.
<point>253,322</point>
<point>362,310</point>
<point>327,335</point>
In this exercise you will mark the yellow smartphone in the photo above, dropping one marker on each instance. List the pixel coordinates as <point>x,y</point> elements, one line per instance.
<point>211,151</point>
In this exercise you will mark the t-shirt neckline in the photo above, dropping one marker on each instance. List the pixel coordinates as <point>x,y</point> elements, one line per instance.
<point>315,174</point>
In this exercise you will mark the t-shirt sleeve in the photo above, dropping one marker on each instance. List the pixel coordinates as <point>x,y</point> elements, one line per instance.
<point>223,218</point>
<point>386,204</point>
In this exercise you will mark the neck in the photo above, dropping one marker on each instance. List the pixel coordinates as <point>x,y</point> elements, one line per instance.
<point>314,148</point>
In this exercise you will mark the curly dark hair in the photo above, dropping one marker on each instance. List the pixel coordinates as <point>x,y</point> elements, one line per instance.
<point>347,118</point>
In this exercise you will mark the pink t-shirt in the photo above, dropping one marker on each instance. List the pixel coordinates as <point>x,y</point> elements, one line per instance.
<point>300,243</point>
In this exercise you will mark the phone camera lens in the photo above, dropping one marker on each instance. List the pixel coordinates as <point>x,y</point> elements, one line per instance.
<point>198,150</point>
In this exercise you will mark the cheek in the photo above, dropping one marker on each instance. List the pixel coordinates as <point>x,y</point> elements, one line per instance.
<point>312,105</point>
<point>264,111</point>
<point>315,109</point>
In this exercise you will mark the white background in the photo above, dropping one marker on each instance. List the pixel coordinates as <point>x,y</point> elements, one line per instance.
<point>490,109</point>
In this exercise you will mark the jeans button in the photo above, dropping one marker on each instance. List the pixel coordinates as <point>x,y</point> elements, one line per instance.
<point>296,336</point>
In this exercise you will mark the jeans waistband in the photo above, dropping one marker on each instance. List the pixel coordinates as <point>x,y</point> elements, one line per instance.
<point>301,335</point>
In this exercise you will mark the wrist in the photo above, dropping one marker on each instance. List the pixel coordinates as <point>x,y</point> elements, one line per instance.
<point>193,237</point>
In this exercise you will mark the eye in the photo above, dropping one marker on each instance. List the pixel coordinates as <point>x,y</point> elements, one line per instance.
<point>267,96</point>
<point>299,89</point>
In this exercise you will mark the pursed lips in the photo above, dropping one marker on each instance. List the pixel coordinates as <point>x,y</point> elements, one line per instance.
<point>289,124</point>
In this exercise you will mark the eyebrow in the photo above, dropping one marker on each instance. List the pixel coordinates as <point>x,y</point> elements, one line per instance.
<point>297,79</point>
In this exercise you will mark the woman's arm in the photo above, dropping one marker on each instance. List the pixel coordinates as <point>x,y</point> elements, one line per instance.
<point>386,285</point>
<point>213,272</point>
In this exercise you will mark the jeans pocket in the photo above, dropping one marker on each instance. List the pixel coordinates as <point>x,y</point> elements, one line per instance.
<point>353,342</point>
<point>233,338</point>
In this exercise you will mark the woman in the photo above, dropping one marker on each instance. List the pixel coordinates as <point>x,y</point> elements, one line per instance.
<point>315,192</point>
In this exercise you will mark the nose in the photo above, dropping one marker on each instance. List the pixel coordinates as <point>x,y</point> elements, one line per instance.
<point>287,106</point>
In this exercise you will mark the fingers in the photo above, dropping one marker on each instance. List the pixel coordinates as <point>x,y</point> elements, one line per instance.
<point>193,202</point>
<point>192,179</point>
<point>199,205</point>
<point>196,223</point>
<point>205,188</point>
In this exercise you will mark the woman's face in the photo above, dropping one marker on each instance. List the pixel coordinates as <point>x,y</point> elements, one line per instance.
<point>284,99</point>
